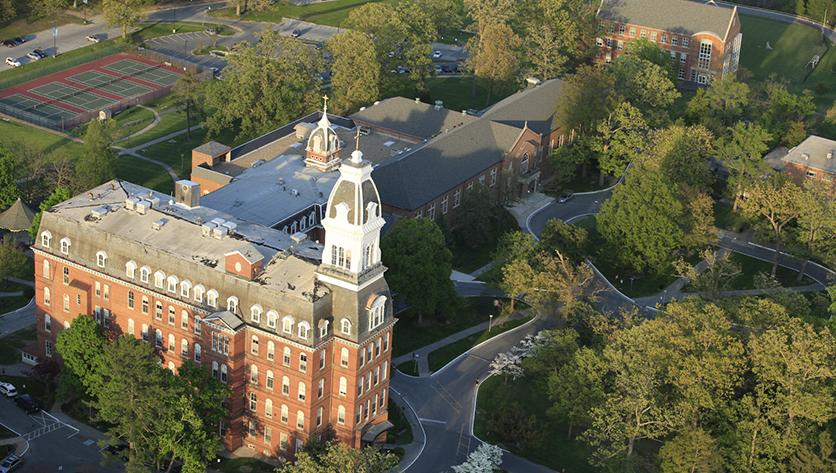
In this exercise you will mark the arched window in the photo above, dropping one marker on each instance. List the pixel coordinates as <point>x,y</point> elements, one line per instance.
<point>343,386</point>
<point>45,272</point>
<point>159,338</point>
<point>253,402</point>
<point>223,373</point>
<point>340,415</point>
<point>101,259</point>
<point>270,380</point>
<point>323,328</point>
<point>144,274</point>
<point>272,316</point>
<point>345,327</point>
<point>286,356</point>
<point>344,357</point>
<point>377,312</point>
<point>130,269</point>
<point>171,342</point>
<point>184,320</point>
<point>214,369</point>
<point>268,408</point>
<point>285,385</point>
<point>254,345</point>
<point>159,278</point>
<point>300,420</point>
<point>184,348</point>
<point>212,298</point>
<point>254,374</point>
<point>271,350</point>
<point>255,313</point>
<point>47,296</point>
<point>144,304</point>
<point>285,414</point>
<point>304,329</point>
<point>199,291</point>
<point>46,238</point>
<point>302,390</point>
<point>303,223</point>
<point>185,288</point>
<point>312,218</point>
<point>172,284</point>
<point>65,246</point>
<point>197,352</point>
<point>293,228</point>
<point>287,324</point>
<point>232,304</point>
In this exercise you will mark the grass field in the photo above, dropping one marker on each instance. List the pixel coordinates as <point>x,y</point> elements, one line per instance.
<point>554,449</point>
<point>793,45</point>
<point>457,93</point>
<point>438,358</point>
<point>9,354</point>
<point>143,173</point>
<point>8,304</point>
<point>409,367</point>
<point>243,465</point>
<point>14,135</point>
<point>177,151</point>
<point>29,24</point>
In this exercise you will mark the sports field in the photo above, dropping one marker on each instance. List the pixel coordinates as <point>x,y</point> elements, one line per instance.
<point>73,96</point>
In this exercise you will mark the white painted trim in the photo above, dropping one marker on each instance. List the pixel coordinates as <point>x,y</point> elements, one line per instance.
<point>344,284</point>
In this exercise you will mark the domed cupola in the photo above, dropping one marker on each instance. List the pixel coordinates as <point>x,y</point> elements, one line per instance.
<point>353,219</point>
<point>323,150</point>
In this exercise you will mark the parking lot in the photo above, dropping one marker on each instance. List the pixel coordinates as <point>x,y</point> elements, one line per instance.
<point>54,445</point>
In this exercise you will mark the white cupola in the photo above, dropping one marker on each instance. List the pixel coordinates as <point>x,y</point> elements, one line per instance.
<point>323,149</point>
<point>353,220</point>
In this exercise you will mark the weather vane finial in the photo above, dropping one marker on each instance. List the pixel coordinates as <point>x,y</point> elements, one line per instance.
<point>357,139</point>
<point>325,103</point>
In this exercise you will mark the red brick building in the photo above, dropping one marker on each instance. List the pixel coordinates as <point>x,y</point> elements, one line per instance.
<point>702,38</point>
<point>813,159</point>
<point>301,332</point>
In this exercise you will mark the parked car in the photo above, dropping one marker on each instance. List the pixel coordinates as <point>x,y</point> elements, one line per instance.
<point>438,69</point>
<point>436,54</point>
<point>565,197</point>
<point>19,40</point>
<point>10,61</point>
<point>8,389</point>
<point>9,43</point>
<point>10,463</point>
<point>25,402</point>
<point>36,54</point>
<point>93,38</point>
<point>117,450</point>
<point>296,33</point>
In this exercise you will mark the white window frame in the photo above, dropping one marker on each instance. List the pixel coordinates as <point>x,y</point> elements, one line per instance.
<point>255,313</point>
<point>101,259</point>
<point>130,269</point>
<point>65,246</point>
<point>345,326</point>
<point>303,330</point>
<point>46,238</point>
<point>272,316</point>
<point>159,279</point>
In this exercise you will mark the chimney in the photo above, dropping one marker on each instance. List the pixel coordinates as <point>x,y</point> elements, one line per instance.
<point>187,193</point>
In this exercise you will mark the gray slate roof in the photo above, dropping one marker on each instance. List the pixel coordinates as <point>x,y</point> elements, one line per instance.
<point>678,16</point>
<point>413,118</point>
<point>213,148</point>
<point>17,218</point>
<point>411,180</point>
<point>815,148</point>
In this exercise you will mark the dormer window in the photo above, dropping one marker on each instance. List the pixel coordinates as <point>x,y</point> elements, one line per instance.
<point>323,328</point>
<point>199,291</point>
<point>272,316</point>
<point>212,298</point>
<point>130,269</point>
<point>144,274</point>
<point>46,238</point>
<point>185,288</point>
<point>377,311</point>
<point>101,259</point>
<point>304,330</point>
<point>172,284</point>
<point>65,246</point>
<point>255,313</point>
<point>345,327</point>
<point>232,304</point>
<point>159,278</point>
<point>287,324</point>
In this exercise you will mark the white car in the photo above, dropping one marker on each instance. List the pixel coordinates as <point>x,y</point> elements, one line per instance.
<point>93,38</point>
<point>436,54</point>
<point>8,390</point>
<point>10,61</point>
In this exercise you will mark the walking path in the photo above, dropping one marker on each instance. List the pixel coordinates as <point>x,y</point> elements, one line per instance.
<point>25,282</point>
<point>19,319</point>
<point>150,126</point>
<point>11,294</point>
<point>133,151</point>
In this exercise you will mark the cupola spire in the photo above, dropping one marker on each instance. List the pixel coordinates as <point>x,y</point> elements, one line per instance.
<point>323,150</point>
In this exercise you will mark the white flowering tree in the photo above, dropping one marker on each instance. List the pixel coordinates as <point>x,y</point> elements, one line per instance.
<point>507,364</point>
<point>485,459</point>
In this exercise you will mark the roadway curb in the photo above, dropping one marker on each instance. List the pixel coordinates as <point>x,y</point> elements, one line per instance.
<point>423,432</point>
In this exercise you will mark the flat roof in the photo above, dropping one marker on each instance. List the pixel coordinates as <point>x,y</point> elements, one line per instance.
<point>812,153</point>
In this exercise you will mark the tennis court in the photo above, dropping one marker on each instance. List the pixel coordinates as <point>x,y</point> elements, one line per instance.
<point>73,96</point>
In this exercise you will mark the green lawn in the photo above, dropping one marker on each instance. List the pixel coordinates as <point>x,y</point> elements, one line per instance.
<point>39,391</point>
<point>331,13</point>
<point>401,433</point>
<point>10,345</point>
<point>8,304</point>
<point>143,173</point>
<point>793,45</point>
<point>749,267</point>
<point>28,24</point>
<point>13,135</point>
<point>128,121</point>
<point>554,450</point>
<point>409,336</point>
<point>457,93</point>
<point>409,367</point>
<point>442,356</point>
<point>242,465</point>
<point>80,411</point>
<point>177,151</point>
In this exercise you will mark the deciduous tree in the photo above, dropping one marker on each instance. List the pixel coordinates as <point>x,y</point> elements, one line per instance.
<point>494,55</point>
<point>341,457</point>
<point>646,85</point>
<point>123,13</point>
<point>95,166</point>
<point>691,451</point>
<point>485,458</point>
<point>618,139</point>
<point>7,10</point>
<point>58,195</point>
<point>587,98</point>
<point>817,222</point>
<point>187,96</point>
<point>717,275</point>
<point>720,105</point>
<point>81,347</point>
<point>355,71</point>
<point>742,154</point>
<point>9,191</point>
<point>570,240</point>
<point>13,262</point>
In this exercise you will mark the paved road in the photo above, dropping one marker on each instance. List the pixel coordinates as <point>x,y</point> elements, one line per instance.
<point>18,319</point>
<point>444,404</point>
<point>580,205</point>
<point>71,36</point>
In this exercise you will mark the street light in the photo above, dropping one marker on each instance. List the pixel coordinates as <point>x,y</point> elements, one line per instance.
<point>490,322</point>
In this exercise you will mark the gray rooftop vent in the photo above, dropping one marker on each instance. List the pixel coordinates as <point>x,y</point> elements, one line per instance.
<point>142,207</point>
<point>217,221</point>
<point>294,192</point>
<point>257,163</point>
<point>230,226</point>
<point>187,193</point>
<point>805,156</point>
<point>206,229</point>
<point>158,224</point>
<point>219,232</point>
<point>417,100</point>
<point>130,203</point>
<point>533,81</point>
<point>830,154</point>
<point>99,212</point>
<point>299,237</point>
<point>154,201</point>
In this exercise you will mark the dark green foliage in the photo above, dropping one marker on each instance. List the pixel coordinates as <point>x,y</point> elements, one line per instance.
<point>9,192</point>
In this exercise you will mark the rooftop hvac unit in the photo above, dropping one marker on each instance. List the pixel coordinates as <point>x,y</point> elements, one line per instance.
<point>99,212</point>
<point>299,237</point>
<point>230,226</point>
<point>219,232</point>
<point>206,229</point>
<point>142,207</point>
<point>158,224</point>
<point>154,201</point>
<point>217,221</point>
<point>130,203</point>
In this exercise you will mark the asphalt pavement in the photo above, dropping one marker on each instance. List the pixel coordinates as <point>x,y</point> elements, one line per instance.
<point>17,319</point>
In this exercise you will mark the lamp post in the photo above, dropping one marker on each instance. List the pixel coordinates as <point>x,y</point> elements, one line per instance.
<point>490,322</point>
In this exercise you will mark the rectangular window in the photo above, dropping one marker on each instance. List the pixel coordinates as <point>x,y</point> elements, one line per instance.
<point>303,362</point>
<point>674,40</point>
<point>620,45</point>
<point>171,315</point>
<point>283,441</point>
<point>682,58</point>
<point>431,211</point>
<point>66,303</point>
<point>131,301</point>
<point>704,60</point>
<point>158,311</point>
<point>653,36</point>
<point>98,289</point>
<point>633,31</point>
<point>681,73</point>
<point>457,198</point>
<point>493,177</point>
<point>66,275</point>
<point>685,41</point>
<point>47,296</point>
<point>106,292</point>
<point>196,325</point>
<point>47,323</point>
<point>386,342</point>
<point>320,389</point>
<point>609,45</point>
<point>322,360</point>
<point>48,348</point>
<point>664,37</point>
<point>444,202</point>
<point>268,435</point>
<point>643,34</point>
<point>621,28</point>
